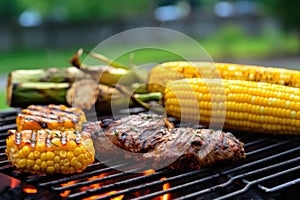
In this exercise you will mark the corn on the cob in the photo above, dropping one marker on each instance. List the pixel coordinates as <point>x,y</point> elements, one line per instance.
<point>49,151</point>
<point>52,116</point>
<point>162,73</point>
<point>240,105</point>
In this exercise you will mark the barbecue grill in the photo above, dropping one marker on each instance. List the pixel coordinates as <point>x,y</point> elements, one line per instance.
<point>270,171</point>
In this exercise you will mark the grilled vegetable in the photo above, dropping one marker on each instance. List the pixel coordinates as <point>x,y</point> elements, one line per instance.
<point>49,151</point>
<point>245,105</point>
<point>52,116</point>
<point>162,73</point>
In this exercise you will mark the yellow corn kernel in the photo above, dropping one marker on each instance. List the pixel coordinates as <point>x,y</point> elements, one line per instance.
<point>162,73</point>
<point>37,154</point>
<point>43,156</point>
<point>77,151</point>
<point>26,150</point>
<point>50,155</point>
<point>38,161</point>
<point>36,167</point>
<point>22,163</point>
<point>40,147</point>
<point>50,163</point>
<point>57,166</point>
<point>30,163</point>
<point>74,162</point>
<point>66,162</point>
<point>79,165</point>
<point>31,156</point>
<point>50,169</point>
<point>44,165</point>
<point>63,154</point>
<point>56,159</point>
<point>70,155</point>
<point>243,109</point>
<point>71,145</point>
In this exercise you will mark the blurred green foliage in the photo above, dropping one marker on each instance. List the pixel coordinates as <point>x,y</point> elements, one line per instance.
<point>75,10</point>
<point>285,11</point>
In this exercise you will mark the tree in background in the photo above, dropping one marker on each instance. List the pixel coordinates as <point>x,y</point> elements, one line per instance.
<point>287,12</point>
<point>75,10</point>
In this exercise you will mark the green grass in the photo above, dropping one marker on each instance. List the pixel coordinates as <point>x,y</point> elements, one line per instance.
<point>34,59</point>
<point>3,104</point>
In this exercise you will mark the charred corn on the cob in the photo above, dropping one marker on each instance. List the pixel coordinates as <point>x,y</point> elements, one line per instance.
<point>50,151</point>
<point>245,105</point>
<point>162,73</point>
<point>52,116</point>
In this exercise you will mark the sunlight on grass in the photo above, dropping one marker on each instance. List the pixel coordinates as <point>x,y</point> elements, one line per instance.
<point>3,104</point>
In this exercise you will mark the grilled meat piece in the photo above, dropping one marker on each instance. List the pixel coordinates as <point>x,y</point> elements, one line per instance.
<point>148,140</point>
<point>50,151</point>
<point>58,117</point>
<point>191,148</point>
<point>123,133</point>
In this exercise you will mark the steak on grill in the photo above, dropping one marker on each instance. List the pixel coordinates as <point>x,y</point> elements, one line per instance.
<point>144,137</point>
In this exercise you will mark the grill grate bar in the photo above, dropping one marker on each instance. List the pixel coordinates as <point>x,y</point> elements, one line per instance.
<point>152,184</point>
<point>6,128</point>
<point>85,183</point>
<point>251,183</point>
<point>256,142</point>
<point>4,162</point>
<point>3,147</point>
<point>268,147</point>
<point>7,113</point>
<point>2,140</point>
<point>152,195</point>
<point>234,178</point>
<point>157,183</point>
<point>81,175</point>
<point>279,187</point>
<point>261,160</point>
<point>119,185</point>
<point>8,120</point>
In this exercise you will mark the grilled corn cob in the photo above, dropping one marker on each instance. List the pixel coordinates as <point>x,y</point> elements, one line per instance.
<point>49,151</point>
<point>245,105</point>
<point>162,73</point>
<point>52,116</point>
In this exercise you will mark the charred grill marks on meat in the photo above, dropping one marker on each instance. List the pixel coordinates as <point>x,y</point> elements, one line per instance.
<point>180,148</point>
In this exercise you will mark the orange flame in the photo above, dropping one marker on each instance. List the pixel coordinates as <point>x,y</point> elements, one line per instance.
<point>149,171</point>
<point>105,194</point>
<point>30,190</point>
<point>67,192</point>
<point>166,186</point>
<point>14,183</point>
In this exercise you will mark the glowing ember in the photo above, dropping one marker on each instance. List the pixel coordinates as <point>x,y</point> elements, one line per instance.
<point>67,192</point>
<point>30,190</point>
<point>14,183</point>
<point>103,195</point>
<point>92,186</point>
<point>149,171</point>
<point>166,186</point>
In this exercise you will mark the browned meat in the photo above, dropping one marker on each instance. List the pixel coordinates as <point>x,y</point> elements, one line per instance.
<point>189,148</point>
<point>148,140</point>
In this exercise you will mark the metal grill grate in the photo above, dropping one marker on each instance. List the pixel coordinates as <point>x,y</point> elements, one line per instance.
<point>271,170</point>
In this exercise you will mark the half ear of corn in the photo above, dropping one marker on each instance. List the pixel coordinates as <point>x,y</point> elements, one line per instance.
<point>49,151</point>
<point>161,74</point>
<point>58,117</point>
<point>240,105</point>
